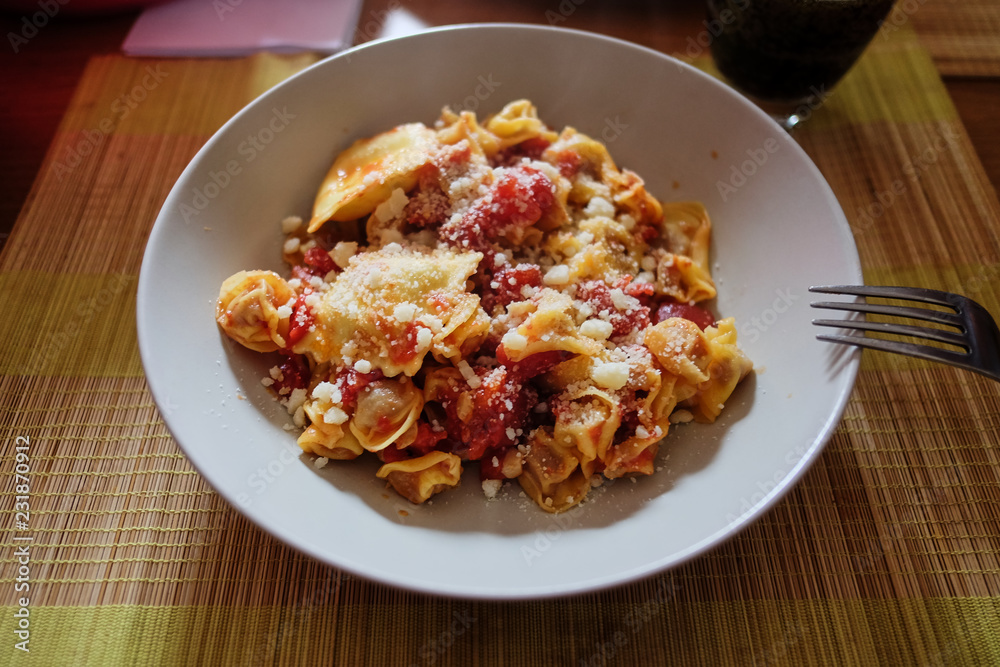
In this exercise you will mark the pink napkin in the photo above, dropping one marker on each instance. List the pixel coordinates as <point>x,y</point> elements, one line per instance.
<point>221,28</point>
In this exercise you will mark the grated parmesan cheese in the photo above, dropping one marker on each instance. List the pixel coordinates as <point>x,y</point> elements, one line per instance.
<point>491,487</point>
<point>597,329</point>
<point>557,275</point>
<point>295,400</point>
<point>291,224</point>
<point>681,417</point>
<point>599,206</point>
<point>514,341</point>
<point>404,312</point>
<point>335,416</point>
<point>470,375</point>
<point>342,253</point>
<point>424,339</point>
<point>392,207</point>
<point>612,375</point>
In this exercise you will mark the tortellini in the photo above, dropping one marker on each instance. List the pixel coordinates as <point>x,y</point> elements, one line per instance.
<point>490,294</point>
<point>249,309</point>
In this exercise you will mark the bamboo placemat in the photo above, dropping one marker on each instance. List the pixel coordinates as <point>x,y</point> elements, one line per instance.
<point>963,36</point>
<point>885,554</point>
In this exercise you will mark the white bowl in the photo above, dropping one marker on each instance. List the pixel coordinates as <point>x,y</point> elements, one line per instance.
<point>778,229</point>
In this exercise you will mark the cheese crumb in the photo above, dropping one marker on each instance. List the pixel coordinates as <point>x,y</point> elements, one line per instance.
<point>612,375</point>
<point>342,253</point>
<point>292,245</point>
<point>681,417</point>
<point>621,300</point>
<point>404,312</point>
<point>328,392</point>
<point>470,375</point>
<point>392,207</point>
<point>335,416</point>
<point>557,275</point>
<point>295,400</point>
<point>424,339</point>
<point>491,487</point>
<point>597,329</point>
<point>291,224</point>
<point>320,462</point>
<point>514,341</point>
<point>363,366</point>
<point>641,432</point>
<point>599,206</point>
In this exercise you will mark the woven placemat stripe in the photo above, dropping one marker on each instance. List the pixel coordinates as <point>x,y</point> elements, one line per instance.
<point>632,629</point>
<point>124,95</point>
<point>68,324</point>
<point>130,515</point>
<point>115,156</point>
<point>963,36</point>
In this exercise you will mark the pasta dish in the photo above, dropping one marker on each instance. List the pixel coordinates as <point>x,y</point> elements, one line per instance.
<point>489,294</point>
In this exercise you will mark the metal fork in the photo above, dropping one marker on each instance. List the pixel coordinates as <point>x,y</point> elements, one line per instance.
<point>977,334</point>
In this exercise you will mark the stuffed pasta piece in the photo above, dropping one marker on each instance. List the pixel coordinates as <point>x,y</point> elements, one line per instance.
<point>490,296</point>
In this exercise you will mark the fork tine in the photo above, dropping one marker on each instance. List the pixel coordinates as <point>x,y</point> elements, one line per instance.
<point>898,311</point>
<point>978,334</point>
<point>939,335</point>
<point>906,293</point>
<point>909,349</point>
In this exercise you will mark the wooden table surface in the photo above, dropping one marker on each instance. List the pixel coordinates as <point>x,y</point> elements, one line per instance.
<point>39,79</point>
